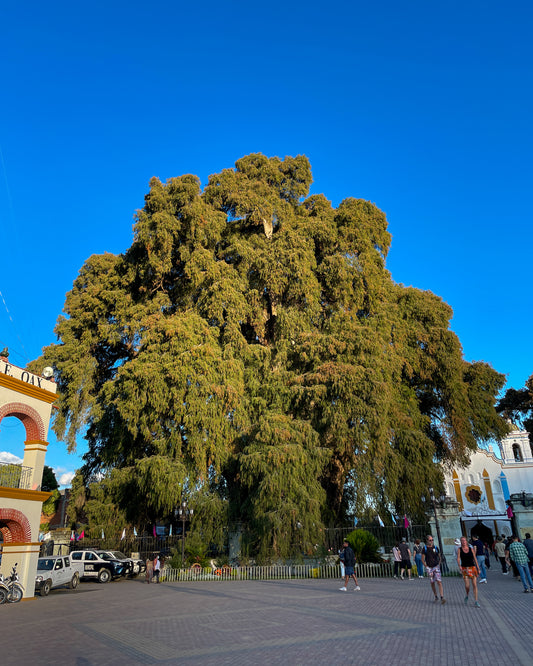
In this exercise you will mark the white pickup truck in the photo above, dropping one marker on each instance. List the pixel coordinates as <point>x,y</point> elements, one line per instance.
<point>56,571</point>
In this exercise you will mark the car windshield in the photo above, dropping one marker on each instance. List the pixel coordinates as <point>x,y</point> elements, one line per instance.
<point>118,555</point>
<point>45,565</point>
<point>105,556</point>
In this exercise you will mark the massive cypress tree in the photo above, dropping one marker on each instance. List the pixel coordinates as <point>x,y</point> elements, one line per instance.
<point>251,350</point>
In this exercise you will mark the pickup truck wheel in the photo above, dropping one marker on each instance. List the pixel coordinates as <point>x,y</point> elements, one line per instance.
<point>45,588</point>
<point>104,576</point>
<point>74,582</point>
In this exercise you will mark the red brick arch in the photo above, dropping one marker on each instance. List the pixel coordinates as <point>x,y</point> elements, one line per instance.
<point>14,526</point>
<point>29,417</point>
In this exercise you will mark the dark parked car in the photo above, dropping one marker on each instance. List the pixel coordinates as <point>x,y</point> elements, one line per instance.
<point>95,566</point>
<point>133,566</point>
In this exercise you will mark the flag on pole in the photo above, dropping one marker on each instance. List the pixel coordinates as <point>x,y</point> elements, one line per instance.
<point>405,521</point>
<point>380,521</point>
<point>170,531</point>
<point>81,535</point>
<point>509,512</point>
<point>393,519</point>
<point>134,532</point>
<point>123,534</point>
<point>72,535</point>
<point>155,533</point>
<point>103,537</point>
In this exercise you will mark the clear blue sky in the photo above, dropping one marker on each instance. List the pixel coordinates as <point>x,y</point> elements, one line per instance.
<point>425,109</point>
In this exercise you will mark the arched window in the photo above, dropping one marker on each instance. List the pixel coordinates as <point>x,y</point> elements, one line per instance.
<point>497,486</point>
<point>517,453</point>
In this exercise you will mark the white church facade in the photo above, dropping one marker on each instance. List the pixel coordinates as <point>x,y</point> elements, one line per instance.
<point>494,494</point>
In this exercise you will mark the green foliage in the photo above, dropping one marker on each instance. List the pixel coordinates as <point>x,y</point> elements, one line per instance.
<point>196,549</point>
<point>251,348</point>
<point>364,545</point>
<point>175,560</point>
<point>50,506</point>
<point>49,481</point>
<point>10,475</point>
<point>517,406</point>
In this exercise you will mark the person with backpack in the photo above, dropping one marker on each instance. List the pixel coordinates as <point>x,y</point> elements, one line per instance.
<point>348,557</point>
<point>431,561</point>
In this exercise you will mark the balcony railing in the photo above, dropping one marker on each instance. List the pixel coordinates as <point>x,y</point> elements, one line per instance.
<point>15,476</point>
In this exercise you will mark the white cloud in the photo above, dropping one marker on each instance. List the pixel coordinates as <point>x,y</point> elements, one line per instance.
<point>66,478</point>
<point>9,458</point>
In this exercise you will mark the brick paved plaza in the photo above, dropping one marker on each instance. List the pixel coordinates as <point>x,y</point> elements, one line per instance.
<point>287,622</point>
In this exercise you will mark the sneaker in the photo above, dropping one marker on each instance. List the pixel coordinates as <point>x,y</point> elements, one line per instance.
<point>483,580</point>
<point>401,577</point>
<point>421,576</point>
<point>442,600</point>
<point>395,576</point>
<point>436,600</point>
<point>466,601</point>
<point>526,590</point>
<point>505,574</point>
<point>356,588</point>
<point>477,604</point>
<point>342,589</point>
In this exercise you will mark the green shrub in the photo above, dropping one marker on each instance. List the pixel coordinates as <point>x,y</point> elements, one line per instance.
<point>364,545</point>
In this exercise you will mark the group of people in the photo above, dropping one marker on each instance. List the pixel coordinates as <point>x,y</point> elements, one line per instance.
<point>471,560</point>
<point>153,568</point>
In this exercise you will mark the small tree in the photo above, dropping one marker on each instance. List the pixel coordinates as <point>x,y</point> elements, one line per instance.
<point>49,479</point>
<point>364,545</point>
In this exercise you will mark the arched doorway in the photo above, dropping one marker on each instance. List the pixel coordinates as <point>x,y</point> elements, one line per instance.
<point>483,532</point>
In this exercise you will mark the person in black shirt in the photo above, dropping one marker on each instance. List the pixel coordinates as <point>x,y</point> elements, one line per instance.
<point>348,557</point>
<point>431,560</point>
<point>468,562</point>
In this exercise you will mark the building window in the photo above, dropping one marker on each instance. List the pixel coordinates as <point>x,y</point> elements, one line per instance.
<point>517,453</point>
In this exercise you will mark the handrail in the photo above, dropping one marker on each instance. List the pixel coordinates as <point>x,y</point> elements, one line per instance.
<point>14,475</point>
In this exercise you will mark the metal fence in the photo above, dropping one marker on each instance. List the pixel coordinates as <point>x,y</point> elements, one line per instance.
<point>15,476</point>
<point>387,536</point>
<point>146,546</point>
<point>280,572</point>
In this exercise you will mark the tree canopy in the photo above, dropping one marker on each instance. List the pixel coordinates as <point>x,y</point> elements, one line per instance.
<point>517,406</point>
<point>251,352</point>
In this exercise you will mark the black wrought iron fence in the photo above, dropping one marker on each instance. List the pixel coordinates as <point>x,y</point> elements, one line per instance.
<point>144,545</point>
<point>387,536</point>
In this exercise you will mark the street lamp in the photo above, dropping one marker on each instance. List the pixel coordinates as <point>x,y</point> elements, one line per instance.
<point>437,525</point>
<point>184,513</point>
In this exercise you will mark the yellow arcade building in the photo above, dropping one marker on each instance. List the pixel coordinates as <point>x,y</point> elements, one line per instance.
<point>28,397</point>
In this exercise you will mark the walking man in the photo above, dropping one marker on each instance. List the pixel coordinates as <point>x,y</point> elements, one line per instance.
<point>499,547</point>
<point>406,559</point>
<point>348,557</point>
<point>479,552</point>
<point>518,554</point>
<point>431,560</point>
<point>528,543</point>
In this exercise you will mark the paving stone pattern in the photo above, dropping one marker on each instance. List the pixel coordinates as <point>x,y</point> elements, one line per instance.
<point>287,622</point>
